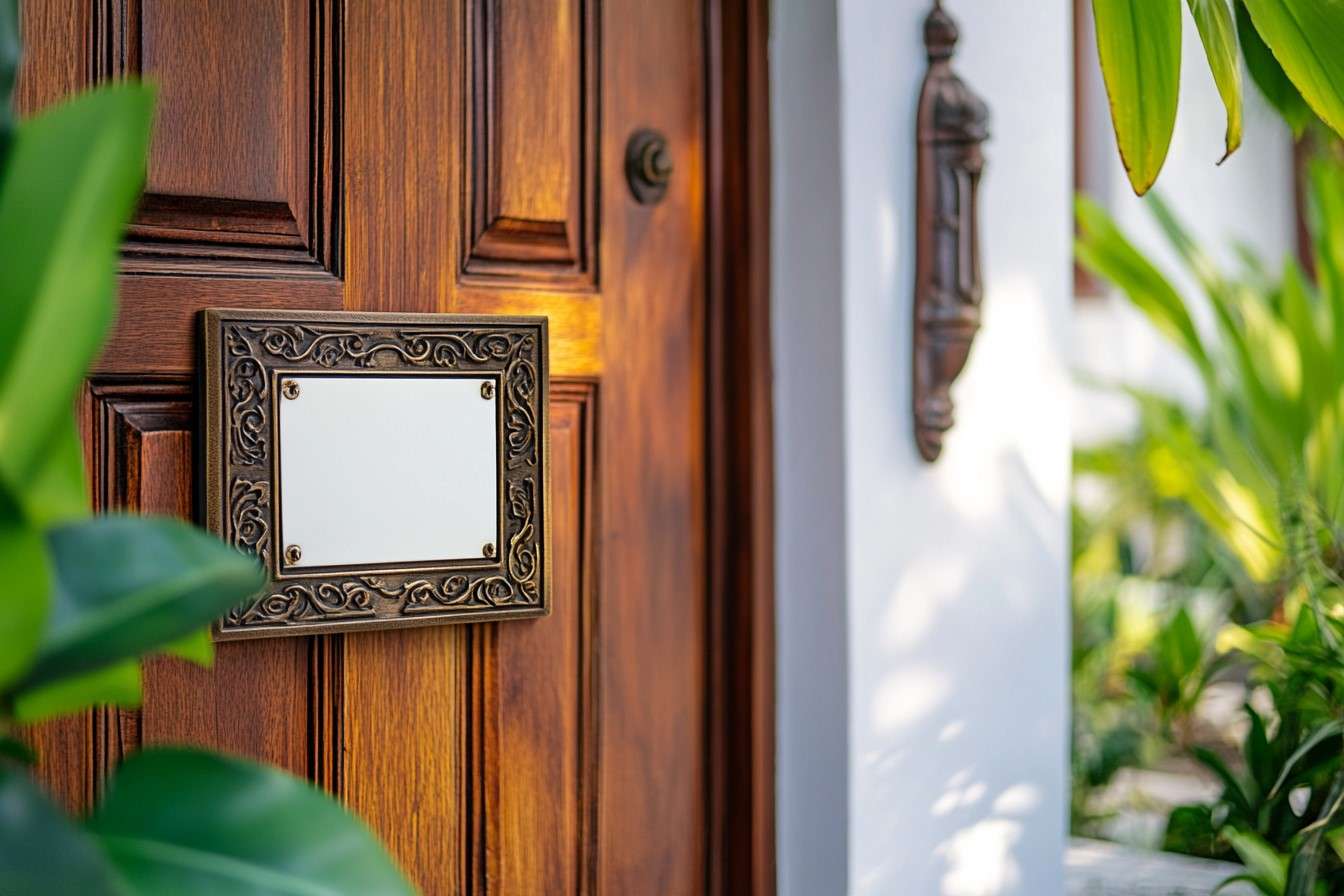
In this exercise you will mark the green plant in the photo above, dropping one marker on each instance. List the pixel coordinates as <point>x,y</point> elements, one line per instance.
<point>1291,48</point>
<point>85,597</point>
<point>1261,467</point>
<point>1268,447</point>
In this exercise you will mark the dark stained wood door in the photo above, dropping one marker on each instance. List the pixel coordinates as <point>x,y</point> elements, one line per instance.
<point>450,157</point>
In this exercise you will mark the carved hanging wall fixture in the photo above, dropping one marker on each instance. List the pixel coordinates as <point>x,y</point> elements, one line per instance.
<point>951,126</point>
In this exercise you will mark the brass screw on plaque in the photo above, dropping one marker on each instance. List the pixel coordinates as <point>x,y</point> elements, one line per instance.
<point>293,554</point>
<point>488,550</point>
<point>487,390</point>
<point>289,389</point>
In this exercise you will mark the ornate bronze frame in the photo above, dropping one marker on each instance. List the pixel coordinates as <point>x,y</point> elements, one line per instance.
<point>245,353</point>
<point>951,125</point>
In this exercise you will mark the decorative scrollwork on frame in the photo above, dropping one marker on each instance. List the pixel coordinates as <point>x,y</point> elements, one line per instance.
<point>249,517</point>
<point>307,603</point>
<point>247,393</point>
<point>250,349</point>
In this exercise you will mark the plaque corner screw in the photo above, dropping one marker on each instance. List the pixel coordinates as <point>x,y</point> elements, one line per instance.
<point>293,554</point>
<point>289,389</point>
<point>487,390</point>
<point>489,550</point>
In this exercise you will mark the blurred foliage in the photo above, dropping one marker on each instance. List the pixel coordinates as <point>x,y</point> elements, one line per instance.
<point>1209,547</point>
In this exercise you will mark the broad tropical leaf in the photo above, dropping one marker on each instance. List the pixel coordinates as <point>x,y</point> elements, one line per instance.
<point>25,597</point>
<point>1218,33</point>
<point>74,174</point>
<point>114,685</point>
<point>128,585</point>
<point>1139,45</point>
<point>1268,75</point>
<point>9,71</point>
<point>181,821</point>
<point>1304,37</point>
<point>59,490</point>
<point>42,851</point>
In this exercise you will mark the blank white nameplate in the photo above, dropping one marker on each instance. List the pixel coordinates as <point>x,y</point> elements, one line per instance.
<point>387,469</point>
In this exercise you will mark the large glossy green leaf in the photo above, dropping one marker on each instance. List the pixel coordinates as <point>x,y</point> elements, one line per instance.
<point>9,71</point>
<point>179,821</point>
<point>128,585</point>
<point>25,596</point>
<point>114,685</point>
<point>42,851</point>
<point>1304,37</point>
<point>74,176</point>
<point>1268,75</point>
<point>58,492</point>
<point>1139,45</point>
<point>1218,33</point>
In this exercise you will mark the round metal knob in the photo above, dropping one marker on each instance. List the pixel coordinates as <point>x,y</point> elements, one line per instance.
<point>648,165</point>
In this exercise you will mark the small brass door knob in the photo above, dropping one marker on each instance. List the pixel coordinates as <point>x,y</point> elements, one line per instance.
<point>648,166</point>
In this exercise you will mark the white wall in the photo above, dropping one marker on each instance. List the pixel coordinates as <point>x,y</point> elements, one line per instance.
<point>955,609</point>
<point>812,759</point>
<point>1248,199</point>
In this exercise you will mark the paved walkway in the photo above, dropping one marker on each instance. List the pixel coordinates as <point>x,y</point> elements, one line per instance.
<point>1097,868</point>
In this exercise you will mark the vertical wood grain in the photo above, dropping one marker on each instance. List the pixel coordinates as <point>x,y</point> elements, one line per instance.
<point>651,443</point>
<point>541,771</point>
<point>405,695</point>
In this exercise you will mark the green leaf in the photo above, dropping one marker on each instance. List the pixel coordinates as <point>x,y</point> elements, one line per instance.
<point>1103,249</point>
<point>16,750</point>
<point>74,175</point>
<point>1269,77</point>
<point>42,851</point>
<point>25,597</point>
<point>1304,37</point>
<point>114,685</point>
<point>1304,869</point>
<point>197,647</point>
<point>10,53</point>
<point>1267,867</point>
<point>1315,739</point>
<point>1139,44</point>
<point>59,491</point>
<point>182,821</point>
<point>1234,792</point>
<point>1213,19</point>
<point>128,585</point>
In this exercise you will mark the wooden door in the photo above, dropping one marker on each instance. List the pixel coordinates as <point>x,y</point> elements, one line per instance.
<point>449,157</point>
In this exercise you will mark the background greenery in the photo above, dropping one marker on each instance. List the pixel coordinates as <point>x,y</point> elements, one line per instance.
<point>86,597</point>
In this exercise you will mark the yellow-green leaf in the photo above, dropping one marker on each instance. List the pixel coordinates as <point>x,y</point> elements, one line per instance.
<point>1268,75</point>
<point>1139,44</point>
<point>115,685</point>
<point>1218,33</point>
<point>1304,37</point>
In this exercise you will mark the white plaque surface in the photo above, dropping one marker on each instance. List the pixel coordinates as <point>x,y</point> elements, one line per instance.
<point>388,469</point>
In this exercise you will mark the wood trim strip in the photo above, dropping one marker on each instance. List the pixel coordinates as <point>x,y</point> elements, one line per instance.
<point>741,649</point>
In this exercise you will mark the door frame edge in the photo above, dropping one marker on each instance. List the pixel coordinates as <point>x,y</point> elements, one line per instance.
<point>740,749</point>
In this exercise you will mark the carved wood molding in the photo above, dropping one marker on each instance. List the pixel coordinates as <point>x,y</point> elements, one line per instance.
<point>245,353</point>
<point>951,126</point>
<point>503,242</point>
<point>296,236</point>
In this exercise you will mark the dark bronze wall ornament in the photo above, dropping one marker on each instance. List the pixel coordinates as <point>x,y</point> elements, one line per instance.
<point>259,366</point>
<point>952,124</point>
